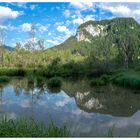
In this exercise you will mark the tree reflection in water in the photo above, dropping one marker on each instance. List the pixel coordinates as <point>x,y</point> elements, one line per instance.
<point>108,99</point>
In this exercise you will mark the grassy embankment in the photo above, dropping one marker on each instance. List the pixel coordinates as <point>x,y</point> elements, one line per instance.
<point>126,78</point>
<point>29,128</point>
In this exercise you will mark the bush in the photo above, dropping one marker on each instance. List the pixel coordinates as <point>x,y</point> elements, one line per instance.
<point>16,72</point>
<point>4,79</point>
<point>105,78</point>
<point>97,82</point>
<point>54,82</point>
<point>12,72</point>
<point>30,79</point>
<point>131,80</point>
<point>40,81</point>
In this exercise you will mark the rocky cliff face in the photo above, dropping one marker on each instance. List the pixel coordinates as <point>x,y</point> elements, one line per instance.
<point>85,33</point>
<point>93,29</point>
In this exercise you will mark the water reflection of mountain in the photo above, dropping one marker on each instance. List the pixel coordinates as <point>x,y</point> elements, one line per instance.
<point>110,99</point>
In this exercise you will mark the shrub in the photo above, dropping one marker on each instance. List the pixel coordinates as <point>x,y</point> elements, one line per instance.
<point>105,78</point>
<point>40,81</point>
<point>131,80</point>
<point>54,82</point>
<point>97,82</point>
<point>30,79</point>
<point>16,72</point>
<point>12,71</point>
<point>4,79</point>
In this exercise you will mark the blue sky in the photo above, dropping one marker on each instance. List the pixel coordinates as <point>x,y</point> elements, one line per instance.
<point>55,22</point>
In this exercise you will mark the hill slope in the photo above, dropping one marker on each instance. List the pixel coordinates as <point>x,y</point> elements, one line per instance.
<point>95,33</point>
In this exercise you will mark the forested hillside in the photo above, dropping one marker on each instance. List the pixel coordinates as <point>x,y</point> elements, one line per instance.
<point>98,47</point>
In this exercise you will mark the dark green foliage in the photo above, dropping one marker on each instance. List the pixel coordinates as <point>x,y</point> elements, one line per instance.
<point>103,80</point>
<point>30,79</point>
<point>4,79</point>
<point>106,78</point>
<point>71,69</point>
<point>97,82</point>
<point>12,72</point>
<point>127,79</point>
<point>54,68</point>
<point>40,81</point>
<point>29,128</point>
<point>16,72</point>
<point>54,82</point>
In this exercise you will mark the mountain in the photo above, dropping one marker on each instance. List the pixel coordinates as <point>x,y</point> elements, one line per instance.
<point>96,33</point>
<point>9,48</point>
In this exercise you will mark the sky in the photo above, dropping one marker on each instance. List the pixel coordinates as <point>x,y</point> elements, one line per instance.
<point>56,21</point>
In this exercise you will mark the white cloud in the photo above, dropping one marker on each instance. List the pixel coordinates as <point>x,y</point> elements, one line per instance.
<point>78,21</point>
<point>8,13</point>
<point>25,104</point>
<point>11,27</point>
<point>19,4</point>
<point>59,23</point>
<point>41,28</point>
<point>83,19</point>
<point>63,102</point>
<point>3,27</point>
<point>33,7</point>
<point>136,12</point>
<point>63,29</point>
<point>78,13</point>
<point>82,5</point>
<point>49,34</point>
<point>67,13</point>
<point>123,11</point>
<point>89,17</point>
<point>26,27</point>
<point>118,10</point>
<point>74,16</point>
<point>53,42</point>
<point>68,22</point>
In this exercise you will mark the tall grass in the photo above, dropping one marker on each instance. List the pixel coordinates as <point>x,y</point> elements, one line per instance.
<point>29,128</point>
<point>127,79</point>
<point>110,132</point>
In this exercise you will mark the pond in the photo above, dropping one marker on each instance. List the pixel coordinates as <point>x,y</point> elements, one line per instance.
<point>87,112</point>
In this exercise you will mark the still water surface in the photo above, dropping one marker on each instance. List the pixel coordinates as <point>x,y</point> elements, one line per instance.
<point>85,111</point>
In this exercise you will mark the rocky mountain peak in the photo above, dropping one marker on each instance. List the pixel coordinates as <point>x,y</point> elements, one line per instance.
<point>91,29</point>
